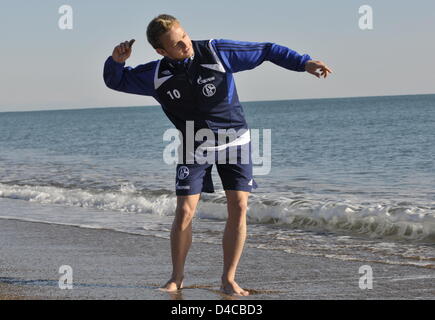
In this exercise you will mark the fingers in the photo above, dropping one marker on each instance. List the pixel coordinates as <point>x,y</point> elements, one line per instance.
<point>321,64</point>
<point>122,51</point>
<point>317,68</point>
<point>125,47</point>
<point>324,69</point>
<point>324,72</point>
<point>314,73</point>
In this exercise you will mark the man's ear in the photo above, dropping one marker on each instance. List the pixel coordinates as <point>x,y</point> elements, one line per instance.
<point>162,52</point>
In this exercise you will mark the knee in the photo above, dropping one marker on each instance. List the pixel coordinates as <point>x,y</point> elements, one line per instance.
<point>183,217</point>
<point>238,208</point>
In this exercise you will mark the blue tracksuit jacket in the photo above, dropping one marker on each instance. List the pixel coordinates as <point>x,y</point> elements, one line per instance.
<point>201,88</point>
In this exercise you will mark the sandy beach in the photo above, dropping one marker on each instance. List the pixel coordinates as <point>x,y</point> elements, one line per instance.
<point>114,265</point>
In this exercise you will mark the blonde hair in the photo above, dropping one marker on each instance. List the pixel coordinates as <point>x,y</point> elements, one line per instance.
<point>157,27</point>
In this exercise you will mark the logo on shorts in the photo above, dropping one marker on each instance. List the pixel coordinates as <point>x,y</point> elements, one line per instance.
<point>250,183</point>
<point>209,90</point>
<point>183,172</point>
<point>181,187</point>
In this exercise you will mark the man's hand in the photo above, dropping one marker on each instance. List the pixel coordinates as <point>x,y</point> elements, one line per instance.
<point>122,51</point>
<point>313,66</point>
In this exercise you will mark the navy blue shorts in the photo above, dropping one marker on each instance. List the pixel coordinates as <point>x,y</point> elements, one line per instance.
<point>196,178</point>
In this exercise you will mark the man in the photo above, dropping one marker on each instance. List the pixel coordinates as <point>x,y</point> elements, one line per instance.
<point>194,84</point>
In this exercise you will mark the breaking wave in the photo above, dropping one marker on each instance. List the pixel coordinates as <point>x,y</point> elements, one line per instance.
<point>396,221</point>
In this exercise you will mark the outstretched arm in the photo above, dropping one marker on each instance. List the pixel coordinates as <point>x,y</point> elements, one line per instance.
<point>239,56</point>
<point>139,80</point>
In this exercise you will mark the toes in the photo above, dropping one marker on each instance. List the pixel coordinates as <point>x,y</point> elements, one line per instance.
<point>242,293</point>
<point>234,291</point>
<point>170,287</point>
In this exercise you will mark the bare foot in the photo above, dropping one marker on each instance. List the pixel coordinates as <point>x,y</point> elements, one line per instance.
<point>232,288</point>
<point>172,285</point>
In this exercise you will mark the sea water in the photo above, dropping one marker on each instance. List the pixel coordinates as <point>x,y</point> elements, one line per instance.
<point>350,179</point>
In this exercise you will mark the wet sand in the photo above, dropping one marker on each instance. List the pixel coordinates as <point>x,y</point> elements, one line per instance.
<point>113,265</point>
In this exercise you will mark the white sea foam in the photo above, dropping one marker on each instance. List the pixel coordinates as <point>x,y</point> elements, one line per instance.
<point>125,200</point>
<point>374,220</point>
<point>387,220</point>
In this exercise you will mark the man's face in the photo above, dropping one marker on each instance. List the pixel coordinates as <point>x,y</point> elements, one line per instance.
<point>176,44</point>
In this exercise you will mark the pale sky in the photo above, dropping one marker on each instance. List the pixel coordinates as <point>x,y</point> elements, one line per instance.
<point>46,68</point>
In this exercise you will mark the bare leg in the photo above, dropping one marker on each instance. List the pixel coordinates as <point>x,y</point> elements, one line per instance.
<point>181,239</point>
<point>234,240</point>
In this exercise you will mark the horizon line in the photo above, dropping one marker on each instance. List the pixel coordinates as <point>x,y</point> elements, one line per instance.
<point>246,101</point>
